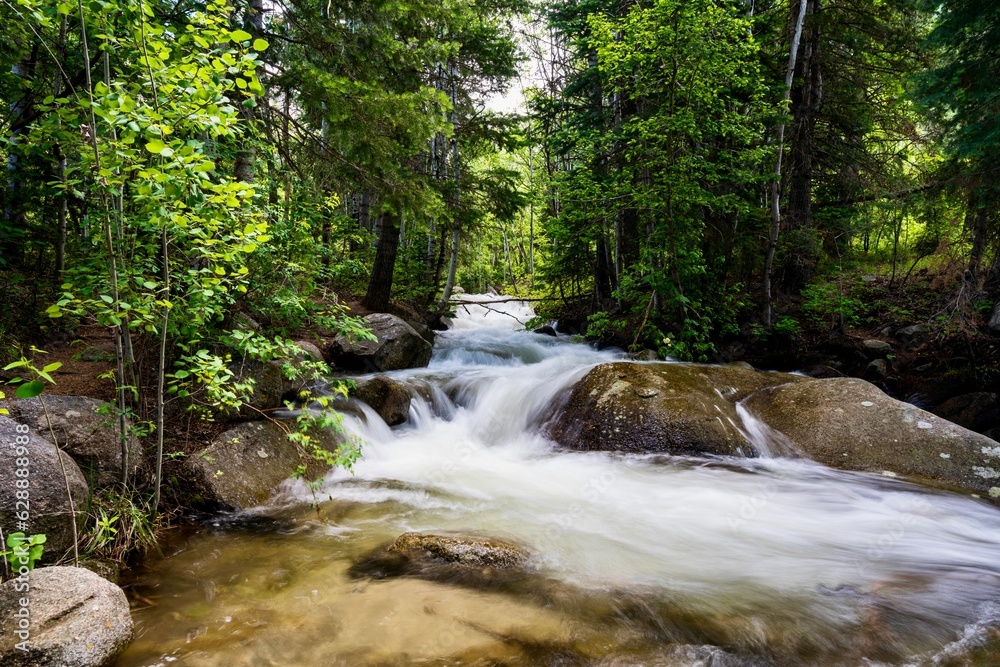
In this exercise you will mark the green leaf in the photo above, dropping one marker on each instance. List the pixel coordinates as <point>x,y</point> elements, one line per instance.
<point>155,146</point>
<point>53,367</point>
<point>260,44</point>
<point>240,36</point>
<point>107,299</point>
<point>149,284</point>
<point>30,390</point>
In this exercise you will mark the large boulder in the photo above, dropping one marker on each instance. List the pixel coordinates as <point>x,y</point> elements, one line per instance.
<point>850,424</point>
<point>77,619</point>
<point>398,346</point>
<point>48,503</point>
<point>87,430</point>
<point>389,398</point>
<point>243,466</point>
<point>661,407</point>
<point>271,389</point>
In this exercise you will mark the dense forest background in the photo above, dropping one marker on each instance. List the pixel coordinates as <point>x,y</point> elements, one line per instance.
<point>686,176</point>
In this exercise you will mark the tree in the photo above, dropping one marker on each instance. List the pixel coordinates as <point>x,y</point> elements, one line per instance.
<point>961,96</point>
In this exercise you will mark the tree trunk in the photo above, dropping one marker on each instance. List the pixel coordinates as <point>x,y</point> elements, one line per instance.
<point>246,156</point>
<point>11,245</point>
<point>602,271</point>
<point>772,241</point>
<point>380,285</point>
<point>449,284</point>
<point>365,211</point>
<point>806,99</point>
<point>977,216</point>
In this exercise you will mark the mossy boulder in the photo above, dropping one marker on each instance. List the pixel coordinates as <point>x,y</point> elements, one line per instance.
<point>850,424</point>
<point>674,408</point>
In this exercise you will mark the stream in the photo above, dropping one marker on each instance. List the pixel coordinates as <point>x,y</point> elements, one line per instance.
<point>636,559</point>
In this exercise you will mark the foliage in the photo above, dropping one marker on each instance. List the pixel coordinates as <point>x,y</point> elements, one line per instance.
<point>34,384</point>
<point>319,417</point>
<point>119,524</point>
<point>23,551</point>
<point>828,303</point>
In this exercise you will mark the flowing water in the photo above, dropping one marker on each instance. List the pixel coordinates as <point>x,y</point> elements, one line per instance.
<point>636,560</point>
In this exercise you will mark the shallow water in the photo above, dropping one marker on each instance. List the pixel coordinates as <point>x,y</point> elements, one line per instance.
<point>636,559</point>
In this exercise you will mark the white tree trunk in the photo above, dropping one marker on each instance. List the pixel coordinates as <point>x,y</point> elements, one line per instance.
<point>772,241</point>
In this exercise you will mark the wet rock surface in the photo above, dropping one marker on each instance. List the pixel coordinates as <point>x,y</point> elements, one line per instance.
<point>388,397</point>
<point>661,407</point>
<point>850,424</point>
<point>466,561</point>
<point>845,423</point>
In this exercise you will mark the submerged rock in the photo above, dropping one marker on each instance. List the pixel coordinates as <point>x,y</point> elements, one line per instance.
<point>850,424</point>
<point>246,464</point>
<point>465,561</point>
<point>398,346</point>
<point>84,430</point>
<point>77,620</point>
<point>666,407</point>
<point>389,398</point>
<point>49,503</point>
<point>461,551</point>
<point>685,655</point>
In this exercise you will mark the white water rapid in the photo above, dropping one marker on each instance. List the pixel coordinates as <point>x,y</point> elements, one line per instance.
<point>778,560</point>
